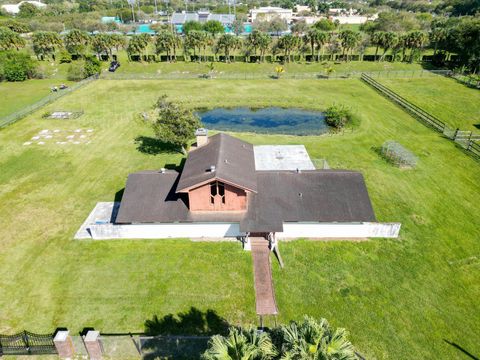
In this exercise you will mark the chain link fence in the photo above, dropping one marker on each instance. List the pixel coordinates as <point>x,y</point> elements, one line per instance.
<point>14,117</point>
<point>221,75</point>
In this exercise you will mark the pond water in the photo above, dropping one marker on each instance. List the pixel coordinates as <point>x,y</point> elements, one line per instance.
<point>272,120</point>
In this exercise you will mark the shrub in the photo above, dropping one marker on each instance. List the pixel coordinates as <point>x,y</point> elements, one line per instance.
<point>17,66</point>
<point>396,154</point>
<point>76,71</point>
<point>338,116</point>
<point>65,57</point>
<point>92,66</point>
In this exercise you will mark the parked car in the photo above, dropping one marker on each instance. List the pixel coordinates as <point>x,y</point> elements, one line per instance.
<point>114,65</point>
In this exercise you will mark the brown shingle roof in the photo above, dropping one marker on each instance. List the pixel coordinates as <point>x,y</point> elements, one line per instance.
<point>308,196</point>
<point>233,160</point>
<point>326,196</point>
<point>151,197</point>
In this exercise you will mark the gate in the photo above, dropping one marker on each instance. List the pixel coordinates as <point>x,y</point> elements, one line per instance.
<point>27,343</point>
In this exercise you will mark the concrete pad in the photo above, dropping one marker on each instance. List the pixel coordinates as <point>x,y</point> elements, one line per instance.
<point>102,213</point>
<point>282,157</point>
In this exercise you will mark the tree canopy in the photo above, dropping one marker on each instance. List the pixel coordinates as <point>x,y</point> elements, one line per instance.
<point>173,123</point>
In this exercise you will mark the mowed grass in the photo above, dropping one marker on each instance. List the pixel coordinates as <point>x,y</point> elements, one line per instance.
<point>17,95</point>
<point>455,104</point>
<point>400,299</point>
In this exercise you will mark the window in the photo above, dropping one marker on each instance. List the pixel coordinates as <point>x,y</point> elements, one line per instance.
<point>217,189</point>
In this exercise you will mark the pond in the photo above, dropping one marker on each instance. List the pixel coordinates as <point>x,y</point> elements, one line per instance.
<point>272,120</point>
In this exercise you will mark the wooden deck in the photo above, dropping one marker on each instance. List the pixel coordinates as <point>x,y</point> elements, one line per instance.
<point>264,291</point>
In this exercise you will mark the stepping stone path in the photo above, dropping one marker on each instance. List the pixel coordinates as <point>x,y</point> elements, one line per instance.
<point>61,137</point>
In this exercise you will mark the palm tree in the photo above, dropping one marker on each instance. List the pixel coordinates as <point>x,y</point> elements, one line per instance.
<point>138,44</point>
<point>45,43</point>
<point>228,43</point>
<point>349,39</point>
<point>253,40</point>
<point>376,39</point>
<point>437,35</point>
<point>76,42</point>
<point>316,38</point>
<point>240,345</point>
<point>388,41</point>
<point>288,43</point>
<point>315,340</point>
<point>415,41</point>
<point>264,42</point>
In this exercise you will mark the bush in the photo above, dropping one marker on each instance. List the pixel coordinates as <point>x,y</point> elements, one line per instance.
<point>338,116</point>
<point>92,66</point>
<point>17,66</point>
<point>65,57</point>
<point>76,71</point>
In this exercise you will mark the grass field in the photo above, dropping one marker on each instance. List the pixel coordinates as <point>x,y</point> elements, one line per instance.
<point>400,299</point>
<point>17,95</point>
<point>267,68</point>
<point>453,103</point>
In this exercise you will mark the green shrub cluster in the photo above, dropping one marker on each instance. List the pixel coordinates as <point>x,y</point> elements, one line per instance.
<point>80,70</point>
<point>15,66</point>
<point>338,116</point>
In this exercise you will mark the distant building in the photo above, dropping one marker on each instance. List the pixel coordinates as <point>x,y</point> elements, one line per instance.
<point>202,16</point>
<point>111,19</point>
<point>15,8</point>
<point>269,13</point>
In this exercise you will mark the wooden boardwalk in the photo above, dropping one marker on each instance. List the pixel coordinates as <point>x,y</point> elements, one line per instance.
<point>264,291</point>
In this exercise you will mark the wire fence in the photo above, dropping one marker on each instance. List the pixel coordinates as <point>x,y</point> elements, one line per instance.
<point>221,75</point>
<point>14,117</point>
<point>466,139</point>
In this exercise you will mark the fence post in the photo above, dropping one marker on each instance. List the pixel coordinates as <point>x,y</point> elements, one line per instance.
<point>63,344</point>
<point>93,345</point>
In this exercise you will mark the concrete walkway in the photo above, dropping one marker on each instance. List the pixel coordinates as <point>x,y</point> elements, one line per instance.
<point>264,292</point>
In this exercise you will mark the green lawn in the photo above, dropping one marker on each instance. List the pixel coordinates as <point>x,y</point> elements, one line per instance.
<point>267,68</point>
<point>17,95</point>
<point>455,104</point>
<point>400,299</point>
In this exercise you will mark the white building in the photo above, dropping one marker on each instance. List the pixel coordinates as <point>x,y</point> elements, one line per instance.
<point>269,13</point>
<point>15,8</point>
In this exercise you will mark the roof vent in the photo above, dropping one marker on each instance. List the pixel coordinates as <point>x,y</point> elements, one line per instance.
<point>162,170</point>
<point>226,161</point>
<point>300,195</point>
<point>299,170</point>
<point>212,168</point>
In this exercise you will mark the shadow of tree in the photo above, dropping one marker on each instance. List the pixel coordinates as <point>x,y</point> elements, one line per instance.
<point>174,348</point>
<point>192,322</point>
<point>184,336</point>
<point>152,146</point>
<point>461,349</point>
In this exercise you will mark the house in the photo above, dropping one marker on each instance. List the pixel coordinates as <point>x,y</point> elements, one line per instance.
<point>230,189</point>
<point>15,8</point>
<point>269,13</point>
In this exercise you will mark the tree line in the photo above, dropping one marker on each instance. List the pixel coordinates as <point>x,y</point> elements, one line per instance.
<point>458,36</point>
